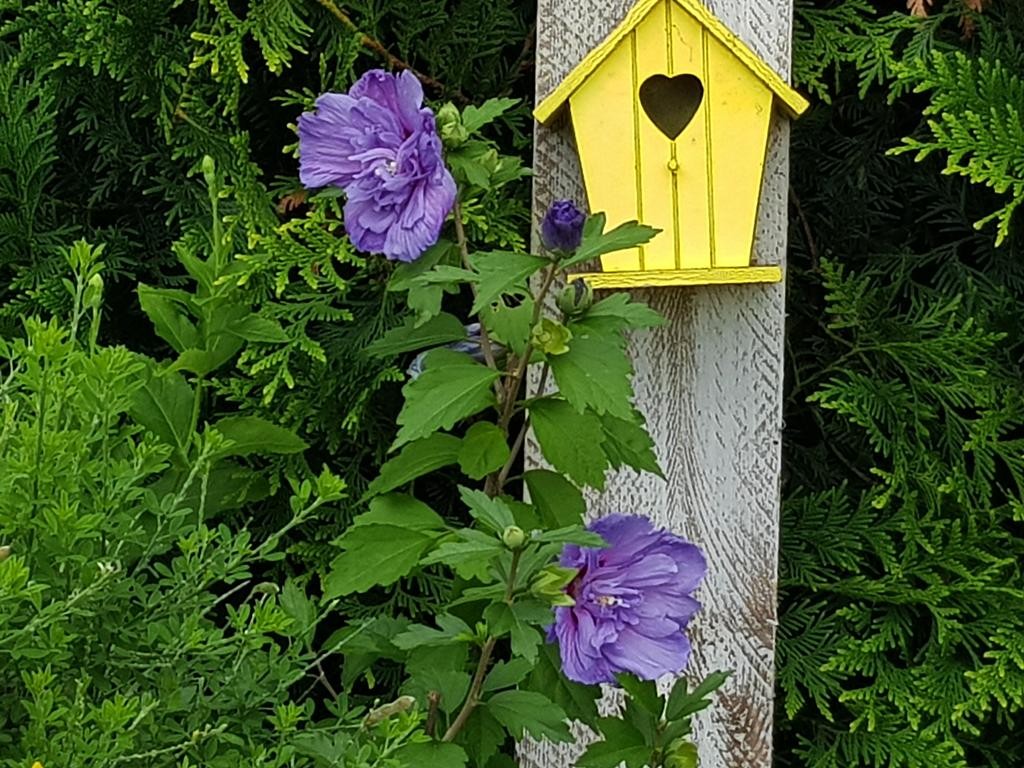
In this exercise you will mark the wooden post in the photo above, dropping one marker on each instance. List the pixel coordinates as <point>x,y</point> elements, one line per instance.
<point>710,385</point>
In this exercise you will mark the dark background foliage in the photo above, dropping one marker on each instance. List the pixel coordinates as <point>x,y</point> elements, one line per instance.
<point>903,599</point>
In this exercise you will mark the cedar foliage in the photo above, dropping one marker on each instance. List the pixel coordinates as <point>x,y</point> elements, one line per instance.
<point>902,611</point>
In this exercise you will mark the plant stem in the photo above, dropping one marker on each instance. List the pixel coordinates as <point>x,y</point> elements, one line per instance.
<point>485,661</point>
<point>463,243</point>
<point>517,446</point>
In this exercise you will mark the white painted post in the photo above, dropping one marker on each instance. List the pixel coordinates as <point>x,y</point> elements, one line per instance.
<point>710,385</point>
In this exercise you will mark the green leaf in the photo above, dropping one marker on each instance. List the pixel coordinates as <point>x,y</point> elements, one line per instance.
<point>251,434</point>
<point>619,312</point>
<point>517,621</point>
<point>471,557</point>
<point>204,361</point>
<point>163,405</point>
<point>570,441</point>
<point>482,737</point>
<point>484,450</point>
<point>169,321</point>
<point>627,443</point>
<point>595,374</point>
<point>452,387</point>
<point>376,555</point>
<point>682,703</point>
<point>503,273</point>
<point>574,534</point>
<point>511,326</point>
<point>403,511</point>
<point>493,513</point>
<point>436,754</point>
<point>438,330</point>
<point>643,692</point>
<point>579,701</point>
<point>597,243</point>
<point>622,743</point>
<point>559,501</point>
<point>530,712</point>
<point>505,674</point>
<point>259,329</point>
<point>474,118</point>
<point>440,669</point>
<point>415,460</point>
<point>683,755</point>
<point>451,629</point>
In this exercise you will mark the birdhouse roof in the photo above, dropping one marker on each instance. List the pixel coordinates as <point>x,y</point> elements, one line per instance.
<point>794,102</point>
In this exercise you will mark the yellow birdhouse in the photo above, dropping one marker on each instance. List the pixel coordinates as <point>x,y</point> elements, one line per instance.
<point>671,114</point>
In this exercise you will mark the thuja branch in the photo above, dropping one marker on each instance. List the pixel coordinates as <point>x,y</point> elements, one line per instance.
<point>373,44</point>
<point>473,698</point>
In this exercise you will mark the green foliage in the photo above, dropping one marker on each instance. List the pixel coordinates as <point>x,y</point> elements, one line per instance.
<point>901,527</point>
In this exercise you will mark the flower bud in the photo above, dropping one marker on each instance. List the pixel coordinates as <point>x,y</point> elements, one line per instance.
<point>450,127</point>
<point>576,298</point>
<point>513,537</point>
<point>562,227</point>
<point>681,754</point>
<point>551,337</point>
<point>93,296</point>
<point>550,584</point>
<point>5,552</point>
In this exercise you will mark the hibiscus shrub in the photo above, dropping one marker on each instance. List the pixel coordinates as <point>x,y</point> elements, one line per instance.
<point>616,597</point>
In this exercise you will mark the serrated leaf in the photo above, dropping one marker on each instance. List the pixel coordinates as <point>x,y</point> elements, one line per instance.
<point>259,329</point>
<point>595,243</point>
<point>492,513</point>
<point>530,712</point>
<point>517,622</point>
<point>482,737</point>
<point>474,118</point>
<point>619,312</point>
<point>570,441</point>
<point>505,674</point>
<point>484,450</point>
<point>559,501</point>
<point>408,337</point>
<point>595,374</point>
<point>501,273</point>
<point>510,326</point>
<point>402,511</point>
<point>376,555</point>
<point>416,459</point>
<point>440,669</point>
<point>627,443</point>
<point>573,534</point>
<point>452,387</point>
<point>579,701</point>
<point>435,754</point>
<point>643,692</point>
<point>252,434</point>
<point>169,320</point>
<point>471,556</point>
<point>163,405</point>
<point>622,743</point>
<point>451,629</point>
<point>682,703</point>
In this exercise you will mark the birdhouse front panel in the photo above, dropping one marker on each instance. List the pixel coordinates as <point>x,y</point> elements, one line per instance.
<point>672,115</point>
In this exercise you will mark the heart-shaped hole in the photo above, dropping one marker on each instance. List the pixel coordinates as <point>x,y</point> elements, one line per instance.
<point>671,102</point>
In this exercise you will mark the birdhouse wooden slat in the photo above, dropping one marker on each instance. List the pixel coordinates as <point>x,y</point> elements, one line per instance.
<point>671,115</point>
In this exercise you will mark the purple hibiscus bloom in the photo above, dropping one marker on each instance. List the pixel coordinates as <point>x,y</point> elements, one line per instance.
<point>633,602</point>
<point>380,144</point>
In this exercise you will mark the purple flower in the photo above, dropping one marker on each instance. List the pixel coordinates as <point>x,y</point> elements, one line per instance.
<point>633,601</point>
<point>380,144</point>
<point>562,228</point>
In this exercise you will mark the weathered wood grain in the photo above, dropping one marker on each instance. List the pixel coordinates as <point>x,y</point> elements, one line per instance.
<point>710,384</point>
